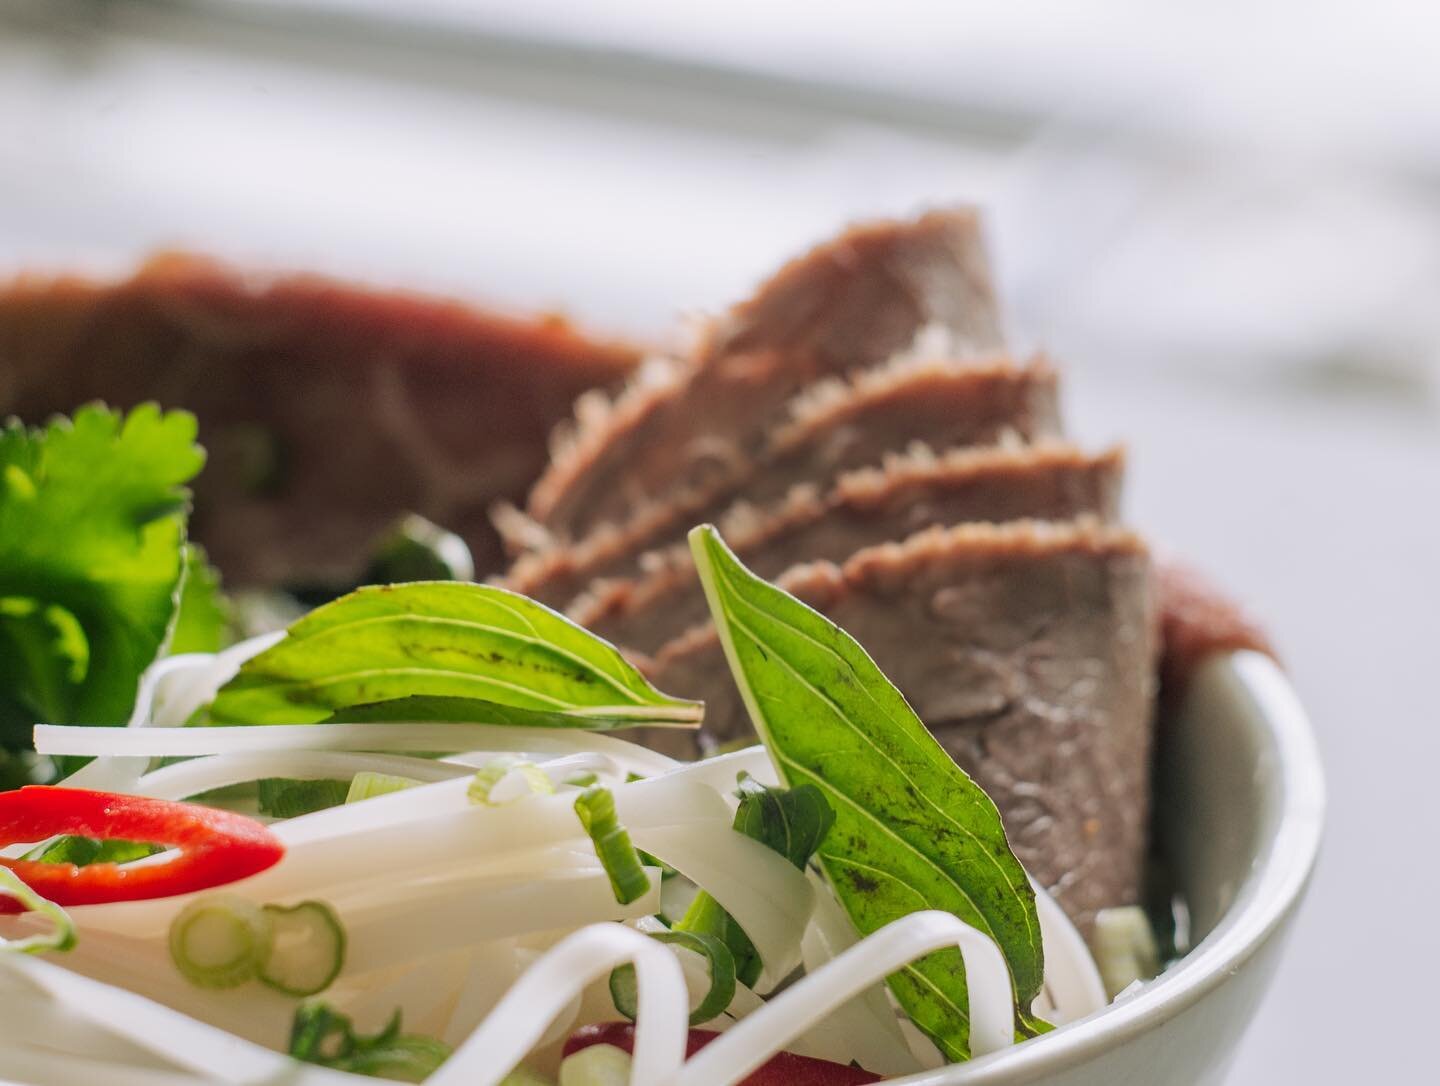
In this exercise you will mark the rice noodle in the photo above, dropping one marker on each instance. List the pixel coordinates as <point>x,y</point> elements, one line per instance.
<point>864,1029</point>
<point>768,898</point>
<point>185,779</point>
<point>400,737</point>
<point>219,1055</point>
<point>518,1022</point>
<point>1072,980</point>
<point>749,1043</point>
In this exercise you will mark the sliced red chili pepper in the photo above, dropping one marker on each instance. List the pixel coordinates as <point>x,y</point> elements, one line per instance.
<point>781,1069</point>
<point>215,847</point>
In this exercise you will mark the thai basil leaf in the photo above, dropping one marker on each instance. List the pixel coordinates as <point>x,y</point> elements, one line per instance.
<point>513,659</point>
<point>912,831</point>
<point>281,797</point>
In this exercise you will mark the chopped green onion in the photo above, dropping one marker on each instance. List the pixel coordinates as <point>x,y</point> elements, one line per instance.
<point>719,960</point>
<point>61,938</point>
<point>307,949</point>
<point>596,808</point>
<point>1124,946</point>
<point>507,778</point>
<point>323,1036</point>
<point>596,1065</point>
<point>219,941</point>
<point>368,785</point>
<point>581,780</point>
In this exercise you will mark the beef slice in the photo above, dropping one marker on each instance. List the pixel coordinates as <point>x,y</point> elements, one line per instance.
<point>326,408</point>
<point>834,426</point>
<point>905,494</point>
<point>848,304</point>
<point>1029,651</point>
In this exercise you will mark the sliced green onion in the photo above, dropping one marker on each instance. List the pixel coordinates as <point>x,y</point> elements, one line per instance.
<point>219,941</point>
<point>507,778</point>
<point>1123,943</point>
<point>596,808</point>
<point>718,959</point>
<point>368,785</point>
<point>523,1076</point>
<point>596,1065</point>
<point>307,949</point>
<point>581,780</point>
<point>63,935</point>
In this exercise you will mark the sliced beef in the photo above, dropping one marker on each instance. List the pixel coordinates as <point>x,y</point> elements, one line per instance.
<point>846,305</point>
<point>326,408</point>
<point>1198,620</point>
<point>1029,650</point>
<point>866,508</point>
<point>832,427</point>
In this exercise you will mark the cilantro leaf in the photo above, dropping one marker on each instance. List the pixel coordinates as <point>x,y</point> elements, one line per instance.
<point>202,622</point>
<point>92,523</point>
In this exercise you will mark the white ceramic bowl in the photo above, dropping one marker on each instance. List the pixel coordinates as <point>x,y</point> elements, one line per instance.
<point>1239,802</point>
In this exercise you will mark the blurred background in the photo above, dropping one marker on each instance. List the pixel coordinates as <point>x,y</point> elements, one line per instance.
<point>1222,218</point>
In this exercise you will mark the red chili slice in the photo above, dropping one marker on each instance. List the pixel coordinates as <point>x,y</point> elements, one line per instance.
<point>781,1069</point>
<point>215,847</point>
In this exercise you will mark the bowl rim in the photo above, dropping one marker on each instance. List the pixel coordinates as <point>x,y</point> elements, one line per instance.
<point>1269,893</point>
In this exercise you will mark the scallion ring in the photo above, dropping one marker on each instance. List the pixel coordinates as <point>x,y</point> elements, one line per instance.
<point>63,935</point>
<point>721,964</point>
<point>307,950</point>
<point>219,941</point>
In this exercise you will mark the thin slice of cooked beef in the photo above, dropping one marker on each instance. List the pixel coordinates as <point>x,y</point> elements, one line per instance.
<point>326,408</point>
<point>1029,650</point>
<point>832,427</point>
<point>907,494</point>
<point>846,305</point>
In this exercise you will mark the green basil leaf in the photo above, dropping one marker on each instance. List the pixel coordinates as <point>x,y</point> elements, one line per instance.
<point>282,797</point>
<point>504,653</point>
<point>912,831</point>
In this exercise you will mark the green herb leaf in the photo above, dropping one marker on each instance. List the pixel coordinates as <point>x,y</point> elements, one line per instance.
<point>81,851</point>
<point>92,522</point>
<point>912,831</point>
<point>511,659</point>
<point>323,1036</point>
<point>202,622</point>
<point>791,822</point>
<point>280,797</point>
